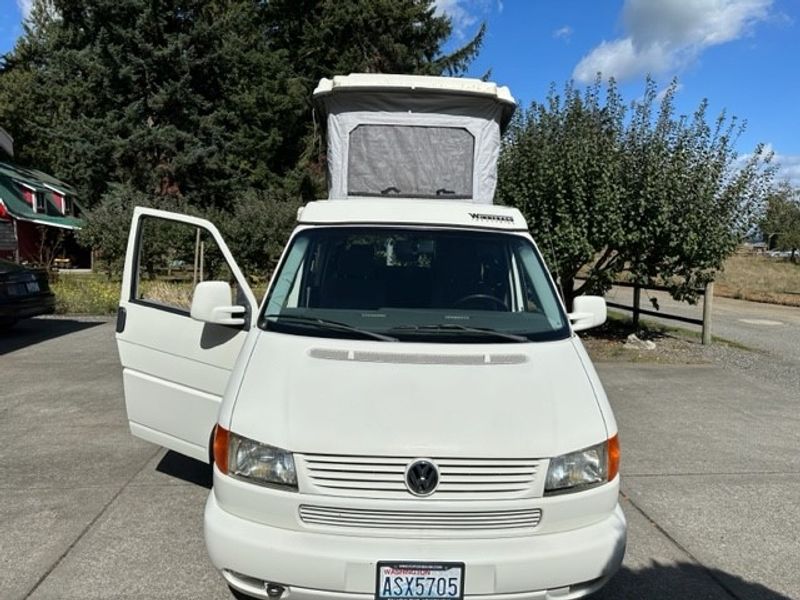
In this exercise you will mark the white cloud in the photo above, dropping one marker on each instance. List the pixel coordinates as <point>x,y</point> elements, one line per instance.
<point>788,168</point>
<point>787,165</point>
<point>457,10</point>
<point>25,7</point>
<point>663,92</point>
<point>563,33</point>
<point>465,14</point>
<point>665,35</point>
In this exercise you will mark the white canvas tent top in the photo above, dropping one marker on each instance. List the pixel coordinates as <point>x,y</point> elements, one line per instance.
<point>413,136</point>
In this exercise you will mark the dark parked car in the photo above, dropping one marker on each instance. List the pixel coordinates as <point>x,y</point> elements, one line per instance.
<point>24,293</point>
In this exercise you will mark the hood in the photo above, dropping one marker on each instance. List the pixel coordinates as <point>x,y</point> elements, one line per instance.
<point>338,396</point>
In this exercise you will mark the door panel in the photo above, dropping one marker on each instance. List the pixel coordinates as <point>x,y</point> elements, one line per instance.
<point>191,412</point>
<point>175,369</point>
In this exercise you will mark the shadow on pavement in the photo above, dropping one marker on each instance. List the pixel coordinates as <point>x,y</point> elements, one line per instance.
<point>185,468</point>
<point>29,332</point>
<point>682,580</point>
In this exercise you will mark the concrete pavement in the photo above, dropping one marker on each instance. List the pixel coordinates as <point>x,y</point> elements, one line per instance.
<point>710,466</point>
<point>710,460</point>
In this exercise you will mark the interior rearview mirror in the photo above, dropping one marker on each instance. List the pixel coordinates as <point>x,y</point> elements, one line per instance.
<point>211,303</point>
<point>587,312</point>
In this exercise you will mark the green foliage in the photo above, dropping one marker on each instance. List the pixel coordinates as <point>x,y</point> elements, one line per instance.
<point>255,227</point>
<point>256,230</point>
<point>108,224</point>
<point>781,222</point>
<point>609,189</point>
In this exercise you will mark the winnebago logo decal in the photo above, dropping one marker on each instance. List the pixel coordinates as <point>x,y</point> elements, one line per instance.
<point>496,218</point>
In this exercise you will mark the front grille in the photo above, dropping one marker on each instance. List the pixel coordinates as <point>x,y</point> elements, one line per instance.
<point>384,477</point>
<point>407,519</point>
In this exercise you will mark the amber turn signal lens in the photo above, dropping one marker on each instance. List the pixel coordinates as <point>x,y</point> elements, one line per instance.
<point>613,457</point>
<point>221,449</point>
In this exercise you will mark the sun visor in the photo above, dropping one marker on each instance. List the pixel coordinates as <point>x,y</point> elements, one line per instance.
<point>413,136</point>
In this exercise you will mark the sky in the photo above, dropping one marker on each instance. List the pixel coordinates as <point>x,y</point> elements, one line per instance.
<point>742,55</point>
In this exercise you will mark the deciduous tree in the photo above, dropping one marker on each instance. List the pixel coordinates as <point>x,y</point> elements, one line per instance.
<point>637,192</point>
<point>781,222</point>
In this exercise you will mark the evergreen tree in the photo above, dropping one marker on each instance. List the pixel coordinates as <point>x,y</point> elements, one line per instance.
<point>196,103</point>
<point>199,98</point>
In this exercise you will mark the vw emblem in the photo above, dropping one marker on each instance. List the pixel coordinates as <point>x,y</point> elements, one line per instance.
<point>422,477</point>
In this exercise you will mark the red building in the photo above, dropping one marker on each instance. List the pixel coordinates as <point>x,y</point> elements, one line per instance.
<point>38,216</point>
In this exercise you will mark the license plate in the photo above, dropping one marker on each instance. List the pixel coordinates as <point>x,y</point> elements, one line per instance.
<point>420,581</point>
<point>16,289</point>
<point>32,287</point>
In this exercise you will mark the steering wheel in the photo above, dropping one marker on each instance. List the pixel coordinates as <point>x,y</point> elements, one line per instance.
<point>494,299</point>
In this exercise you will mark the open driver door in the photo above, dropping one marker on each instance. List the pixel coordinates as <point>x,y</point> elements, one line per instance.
<point>178,270</point>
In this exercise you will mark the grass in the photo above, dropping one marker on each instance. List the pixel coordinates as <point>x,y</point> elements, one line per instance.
<point>761,279</point>
<point>96,294</point>
<point>170,293</point>
<point>85,293</point>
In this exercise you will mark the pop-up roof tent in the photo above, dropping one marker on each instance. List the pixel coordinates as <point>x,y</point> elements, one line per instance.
<point>412,136</point>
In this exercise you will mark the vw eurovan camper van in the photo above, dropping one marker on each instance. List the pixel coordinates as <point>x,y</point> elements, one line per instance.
<point>408,413</point>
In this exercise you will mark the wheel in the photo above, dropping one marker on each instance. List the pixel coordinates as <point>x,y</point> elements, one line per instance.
<point>473,297</point>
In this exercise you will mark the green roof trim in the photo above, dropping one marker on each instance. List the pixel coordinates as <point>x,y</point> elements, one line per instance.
<point>13,177</point>
<point>52,220</point>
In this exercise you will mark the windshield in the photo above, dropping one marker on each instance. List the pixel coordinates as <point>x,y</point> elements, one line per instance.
<point>414,285</point>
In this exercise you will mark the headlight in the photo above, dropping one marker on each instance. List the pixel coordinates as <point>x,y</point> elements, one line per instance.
<point>582,469</point>
<point>247,459</point>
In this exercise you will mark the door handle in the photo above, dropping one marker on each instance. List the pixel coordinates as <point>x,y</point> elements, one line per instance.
<point>122,315</point>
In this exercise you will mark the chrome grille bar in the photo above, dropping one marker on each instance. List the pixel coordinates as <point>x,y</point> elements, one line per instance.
<point>399,519</point>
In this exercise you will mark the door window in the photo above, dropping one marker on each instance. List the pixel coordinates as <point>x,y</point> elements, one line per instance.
<point>172,258</point>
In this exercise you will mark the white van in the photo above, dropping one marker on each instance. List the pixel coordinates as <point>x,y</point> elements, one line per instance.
<point>408,413</point>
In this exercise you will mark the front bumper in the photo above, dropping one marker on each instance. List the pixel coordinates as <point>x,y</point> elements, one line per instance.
<point>313,565</point>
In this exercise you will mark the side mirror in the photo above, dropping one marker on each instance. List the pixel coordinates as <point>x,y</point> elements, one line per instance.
<point>587,312</point>
<point>211,303</point>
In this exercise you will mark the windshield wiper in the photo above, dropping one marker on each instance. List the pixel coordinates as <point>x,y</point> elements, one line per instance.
<point>326,323</point>
<point>452,327</point>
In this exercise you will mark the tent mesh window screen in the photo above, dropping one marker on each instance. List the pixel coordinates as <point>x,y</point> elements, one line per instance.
<point>410,161</point>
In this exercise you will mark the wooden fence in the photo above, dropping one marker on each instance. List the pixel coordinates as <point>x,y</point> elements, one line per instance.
<point>637,310</point>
